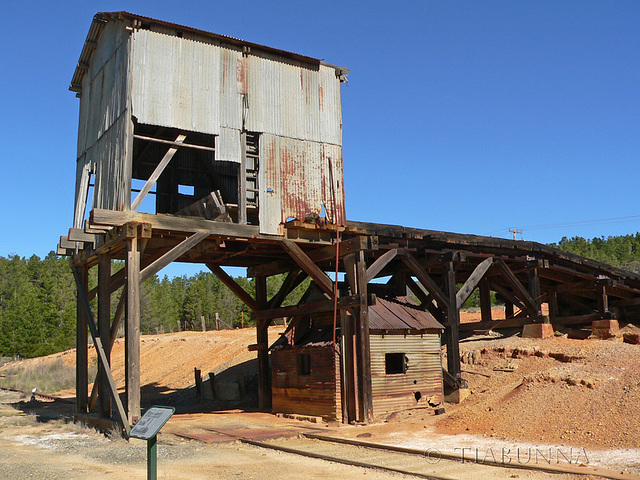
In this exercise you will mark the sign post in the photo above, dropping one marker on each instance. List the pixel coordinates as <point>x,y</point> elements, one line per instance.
<point>147,429</point>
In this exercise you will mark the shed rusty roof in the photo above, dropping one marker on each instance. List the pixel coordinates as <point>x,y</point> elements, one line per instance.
<point>389,314</point>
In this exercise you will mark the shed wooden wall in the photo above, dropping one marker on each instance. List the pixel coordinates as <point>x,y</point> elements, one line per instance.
<point>317,394</point>
<point>396,392</point>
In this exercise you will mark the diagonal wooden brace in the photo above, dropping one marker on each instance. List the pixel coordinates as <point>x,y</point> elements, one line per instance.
<point>316,274</point>
<point>472,282</point>
<point>233,286</point>
<point>519,289</point>
<point>99,348</point>
<point>429,284</point>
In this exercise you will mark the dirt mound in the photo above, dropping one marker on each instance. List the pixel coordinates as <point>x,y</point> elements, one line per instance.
<point>562,391</point>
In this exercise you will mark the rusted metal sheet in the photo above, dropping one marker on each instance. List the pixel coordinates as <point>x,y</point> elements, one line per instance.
<point>391,315</point>
<point>295,181</point>
<point>422,381</point>
<point>175,82</point>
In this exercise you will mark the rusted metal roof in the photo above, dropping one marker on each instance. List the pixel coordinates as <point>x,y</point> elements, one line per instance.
<point>395,315</point>
<point>102,18</point>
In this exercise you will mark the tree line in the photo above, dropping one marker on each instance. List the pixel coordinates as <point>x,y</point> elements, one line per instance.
<point>38,297</point>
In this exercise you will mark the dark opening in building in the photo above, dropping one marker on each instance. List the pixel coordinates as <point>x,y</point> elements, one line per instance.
<point>395,363</point>
<point>304,364</point>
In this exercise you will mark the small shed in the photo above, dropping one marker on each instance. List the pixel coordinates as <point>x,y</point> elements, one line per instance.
<point>406,367</point>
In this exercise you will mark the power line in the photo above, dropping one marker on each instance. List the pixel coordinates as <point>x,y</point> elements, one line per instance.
<point>547,226</point>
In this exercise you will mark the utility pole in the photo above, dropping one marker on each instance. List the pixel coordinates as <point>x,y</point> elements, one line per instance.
<point>515,231</point>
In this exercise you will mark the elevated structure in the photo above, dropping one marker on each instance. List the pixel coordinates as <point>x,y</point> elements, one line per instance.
<point>241,145</point>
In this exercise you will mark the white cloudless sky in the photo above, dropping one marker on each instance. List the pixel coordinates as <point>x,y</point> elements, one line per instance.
<point>463,116</point>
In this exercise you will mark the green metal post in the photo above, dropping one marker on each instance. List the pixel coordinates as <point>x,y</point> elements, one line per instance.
<point>152,459</point>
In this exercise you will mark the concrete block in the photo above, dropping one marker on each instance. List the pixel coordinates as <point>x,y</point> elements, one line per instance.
<point>537,330</point>
<point>457,396</point>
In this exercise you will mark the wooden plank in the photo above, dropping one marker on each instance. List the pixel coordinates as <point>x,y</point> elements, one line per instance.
<point>132,332</point>
<point>473,280</point>
<point>262,337</point>
<point>423,277</point>
<point>173,254</point>
<point>233,286</point>
<point>520,291</point>
<point>78,235</point>
<point>317,255</point>
<point>173,223</point>
<point>86,308</point>
<point>321,306</point>
<point>316,274</point>
<point>176,143</point>
<point>242,180</point>
<point>153,178</point>
<point>381,262</point>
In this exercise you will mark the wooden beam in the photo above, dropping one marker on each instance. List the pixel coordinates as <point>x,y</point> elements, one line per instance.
<point>132,332</point>
<point>262,336</point>
<point>473,280</point>
<point>173,223</point>
<point>104,330</point>
<point>485,300</point>
<point>316,274</point>
<point>173,254</point>
<point>507,295</point>
<point>117,320</point>
<point>381,262</point>
<point>82,358</point>
<point>242,180</point>
<point>321,306</point>
<point>293,279</point>
<point>153,178</point>
<point>317,255</point>
<point>363,345</point>
<point>452,330</point>
<point>176,143</point>
<point>424,278</point>
<point>97,342</point>
<point>520,291</point>
<point>233,286</point>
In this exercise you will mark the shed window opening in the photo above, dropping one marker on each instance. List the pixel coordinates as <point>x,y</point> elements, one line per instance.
<point>304,364</point>
<point>395,363</point>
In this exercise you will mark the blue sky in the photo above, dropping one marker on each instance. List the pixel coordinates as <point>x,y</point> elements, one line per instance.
<point>469,117</point>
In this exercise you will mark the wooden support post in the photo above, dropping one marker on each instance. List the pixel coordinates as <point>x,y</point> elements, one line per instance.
<point>552,300</point>
<point>363,347</point>
<point>508,309</point>
<point>521,292</point>
<point>603,301</point>
<point>82,365</point>
<point>347,364</point>
<point>242,180</point>
<point>485,300</point>
<point>104,330</point>
<point>264,375</point>
<point>534,287</point>
<point>452,331</point>
<point>132,330</point>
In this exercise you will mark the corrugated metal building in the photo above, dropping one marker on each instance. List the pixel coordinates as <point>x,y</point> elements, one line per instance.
<point>248,113</point>
<point>406,367</point>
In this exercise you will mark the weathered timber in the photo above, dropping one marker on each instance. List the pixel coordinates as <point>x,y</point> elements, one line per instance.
<point>519,289</point>
<point>363,345</point>
<point>262,336</point>
<point>173,223</point>
<point>242,179</point>
<point>316,274</point>
<point>156,173</point>
<point>132,330</point>
<point>308,308</point>
<point>86,308</point>
<point>381,262</point>
<point>317,255</point>
<point>82,355</point>
<point>173,254</point>
<point>234,287</point>
<point>424,278</point>
<point>104,330</point>
<point>293,279</point>
<point>473,280</point>
<point>452,330</point>
<point>485,300</point>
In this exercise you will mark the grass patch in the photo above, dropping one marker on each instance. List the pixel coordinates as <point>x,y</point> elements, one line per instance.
<point>46,377</point>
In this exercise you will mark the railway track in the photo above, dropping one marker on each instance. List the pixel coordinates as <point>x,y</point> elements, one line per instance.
<point>37,395</point>
<point>417,463</point>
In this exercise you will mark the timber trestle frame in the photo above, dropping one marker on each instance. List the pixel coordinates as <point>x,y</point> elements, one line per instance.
<point>440,269</point>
